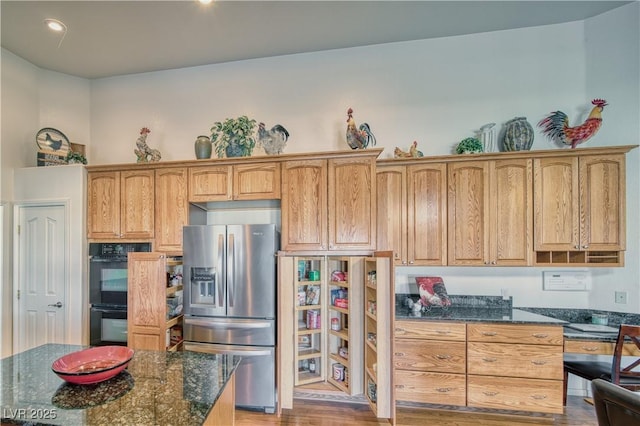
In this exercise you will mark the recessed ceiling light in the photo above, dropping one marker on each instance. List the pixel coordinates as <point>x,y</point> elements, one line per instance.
<point>55,25</point>
<point>205,1</point>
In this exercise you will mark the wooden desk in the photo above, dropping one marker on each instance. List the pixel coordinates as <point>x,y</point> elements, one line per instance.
<point>597,347</point>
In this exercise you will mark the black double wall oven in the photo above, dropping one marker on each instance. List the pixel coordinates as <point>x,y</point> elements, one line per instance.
<point>108,291</point>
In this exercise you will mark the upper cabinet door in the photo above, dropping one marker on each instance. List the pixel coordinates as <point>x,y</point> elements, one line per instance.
<point>511,230</point>
<point>556,208</point>
<point>602,202</point>
<point>304,205</point>
<point>137,204</point>
<point>392,211</point>
<point>120,205</point>
<point>352,204</point>
<point>427,214</point>
<point>210,183</point>
<point>468,210</point>
<point>172,208</point>
<point>103,205</point>
<point>256,181</point>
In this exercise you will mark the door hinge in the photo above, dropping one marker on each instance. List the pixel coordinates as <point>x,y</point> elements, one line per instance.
<point>18,294</point>
<point>18,229</point>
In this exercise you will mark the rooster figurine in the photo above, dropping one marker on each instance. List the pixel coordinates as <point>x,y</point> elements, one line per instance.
<point>556,125</point>
<point>274,140</point>
<point>413,152</point>
<point>358,137</point>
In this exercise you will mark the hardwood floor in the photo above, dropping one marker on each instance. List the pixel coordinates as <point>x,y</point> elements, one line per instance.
<point>321,413</point>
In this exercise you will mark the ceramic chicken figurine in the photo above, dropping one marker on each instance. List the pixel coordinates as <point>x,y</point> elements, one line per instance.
<point>413,152</point>
<point>358,137</point>
<point>556,125</point>
<point>144,153</point>
<point>273,140</point>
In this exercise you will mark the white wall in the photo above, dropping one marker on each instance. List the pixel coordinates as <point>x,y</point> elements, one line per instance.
<point>433,91</point>
<point>31,99</point>
<point>613,64</point>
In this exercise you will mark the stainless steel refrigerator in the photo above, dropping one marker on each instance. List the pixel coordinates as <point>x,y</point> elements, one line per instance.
<point>229,274</point>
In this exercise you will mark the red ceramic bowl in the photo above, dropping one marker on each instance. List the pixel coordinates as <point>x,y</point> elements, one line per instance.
<point>92,365</point>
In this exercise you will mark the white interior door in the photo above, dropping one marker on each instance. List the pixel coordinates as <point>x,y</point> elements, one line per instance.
<point>42,273</point>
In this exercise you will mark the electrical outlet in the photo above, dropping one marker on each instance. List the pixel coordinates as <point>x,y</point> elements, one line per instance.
<point>621,297</point>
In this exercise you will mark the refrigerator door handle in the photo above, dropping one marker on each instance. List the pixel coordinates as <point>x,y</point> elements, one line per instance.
<point>219,280</point>
<point>228,324</point>
<point>227,350</point>
<point>231,284</point>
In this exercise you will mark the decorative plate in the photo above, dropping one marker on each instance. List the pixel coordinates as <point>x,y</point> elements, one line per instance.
<point>50,139</point>
<point>92,365</point>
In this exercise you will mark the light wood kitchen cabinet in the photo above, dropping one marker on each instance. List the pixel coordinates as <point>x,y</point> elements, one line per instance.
<point>580,209</point>
<point>490,212</point>
<point>515,367</point>
<point>352,203</point>
<point>412,213</point>
<point>172,209</point>
<point>304,205</point>
<point>120,205</point>
<point>329,204</point>
<point>148,320</point>
<point>430,362</point>
<point>260,181</point>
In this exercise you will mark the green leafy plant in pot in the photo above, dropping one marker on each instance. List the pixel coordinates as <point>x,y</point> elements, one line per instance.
<point>234,137</point>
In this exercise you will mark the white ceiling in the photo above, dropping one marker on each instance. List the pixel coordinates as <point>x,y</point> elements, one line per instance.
<point>108,38</point>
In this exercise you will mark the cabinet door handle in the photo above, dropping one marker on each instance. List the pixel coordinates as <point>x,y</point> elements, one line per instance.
<point>540,335</point>
<point>538,397</point>
<point>490,393</point>
<point>590,348</point>
<point>399,354</point>
<point>487,359</point>
<point>538,362</point>
<point>585,247</point>
<point>444,390</point>
<point>443,332</point>
<point>400,330</point>
<point>443,356</point>
<point>489,333</point>
<point>399,386</point>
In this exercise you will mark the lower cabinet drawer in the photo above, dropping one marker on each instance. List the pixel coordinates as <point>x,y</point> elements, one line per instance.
<point>430,355</point>
<point>431,388</point>
<point>544,396</point>
<point>500,359</point>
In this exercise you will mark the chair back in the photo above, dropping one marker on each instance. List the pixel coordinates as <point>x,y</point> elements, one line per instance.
<point>615,405</point>
<point>619,371</point>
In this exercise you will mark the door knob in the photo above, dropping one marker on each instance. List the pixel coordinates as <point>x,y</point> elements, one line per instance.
<point>56,305</point>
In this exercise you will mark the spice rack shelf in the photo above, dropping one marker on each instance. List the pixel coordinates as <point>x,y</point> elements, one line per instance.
<point>377,327</point>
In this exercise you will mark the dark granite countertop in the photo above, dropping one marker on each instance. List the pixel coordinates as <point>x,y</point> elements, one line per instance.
<point>472,308</point>
<point>157,388</point>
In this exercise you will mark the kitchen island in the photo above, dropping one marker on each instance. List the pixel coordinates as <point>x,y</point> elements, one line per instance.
<point>157,388</point>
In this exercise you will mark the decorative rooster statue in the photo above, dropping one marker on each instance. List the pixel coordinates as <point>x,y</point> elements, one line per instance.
<point>413,152</point>
<point>274,140</point>
<point>358,137</point>
<point>144,153</point>
<point>556,125</point>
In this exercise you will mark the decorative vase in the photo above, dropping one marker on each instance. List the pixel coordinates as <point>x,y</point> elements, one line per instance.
<point>487,136</point>
<point>518,135</point>
<point>203,147</point>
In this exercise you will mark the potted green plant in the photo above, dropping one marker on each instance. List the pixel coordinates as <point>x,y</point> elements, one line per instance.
<point>469,146</point>
<point>234,137</point>
<point>75,158</point>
